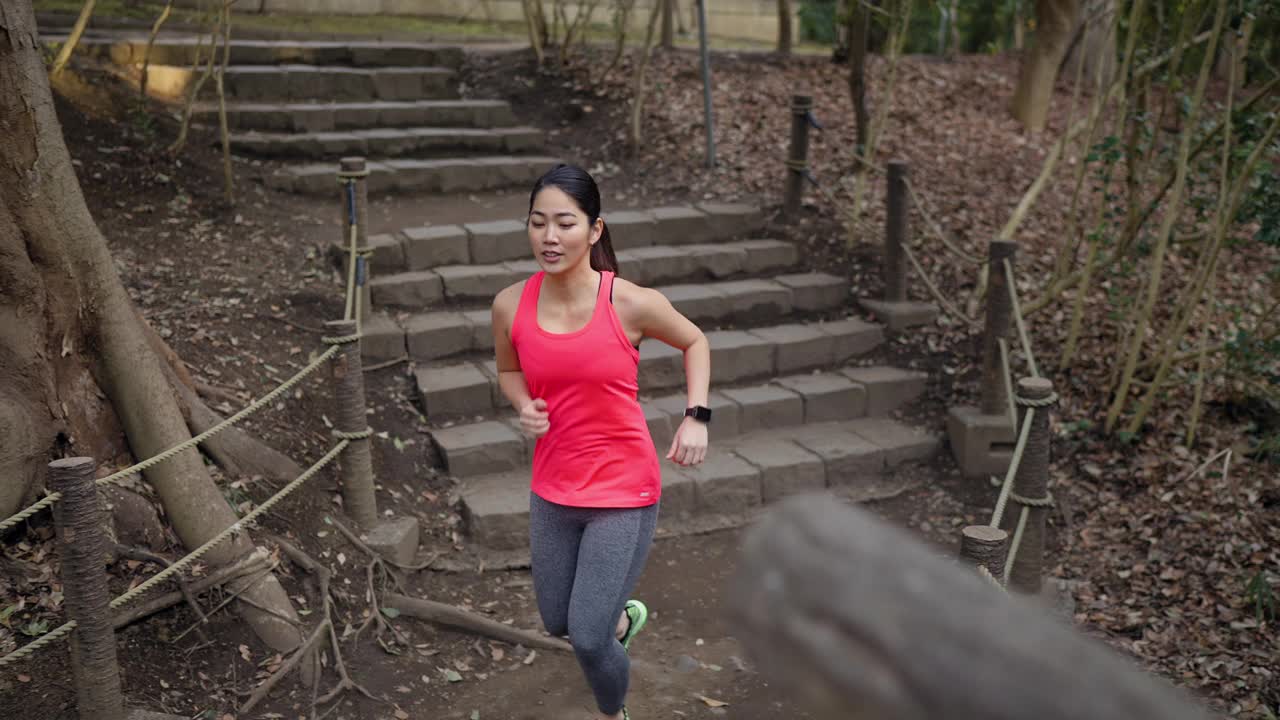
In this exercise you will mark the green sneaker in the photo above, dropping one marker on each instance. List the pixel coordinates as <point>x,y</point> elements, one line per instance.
<point>625,715</point>
<point>637,615</point>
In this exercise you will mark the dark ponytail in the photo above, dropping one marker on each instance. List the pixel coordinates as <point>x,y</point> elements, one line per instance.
<point>602,257</point>
<point>579,185</point>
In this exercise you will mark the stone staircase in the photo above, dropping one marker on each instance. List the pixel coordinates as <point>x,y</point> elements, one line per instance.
<point>309,103</point>
<point>795,407</point>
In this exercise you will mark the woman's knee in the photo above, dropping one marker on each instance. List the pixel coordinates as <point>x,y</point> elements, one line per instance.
<point>591,647</point>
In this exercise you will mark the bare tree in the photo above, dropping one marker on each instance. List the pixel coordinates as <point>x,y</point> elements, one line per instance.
<point>1055,22</point>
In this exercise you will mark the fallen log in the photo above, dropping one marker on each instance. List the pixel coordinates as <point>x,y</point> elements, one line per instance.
<point>866,622</point>
<point>455,617</point>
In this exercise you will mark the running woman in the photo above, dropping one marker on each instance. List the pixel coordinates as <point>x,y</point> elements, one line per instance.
<point>567,344</point>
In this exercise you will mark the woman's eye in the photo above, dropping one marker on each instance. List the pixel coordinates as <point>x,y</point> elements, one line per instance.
<point>536,225</point>
<point>566,227</point>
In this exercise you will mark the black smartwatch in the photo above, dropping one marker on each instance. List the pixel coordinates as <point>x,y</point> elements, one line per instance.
<point>699,413</point>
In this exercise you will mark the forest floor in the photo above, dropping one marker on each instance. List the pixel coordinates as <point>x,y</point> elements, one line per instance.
<point>1161,546</point>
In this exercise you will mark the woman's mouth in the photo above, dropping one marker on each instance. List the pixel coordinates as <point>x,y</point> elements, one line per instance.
<point>550,256</point>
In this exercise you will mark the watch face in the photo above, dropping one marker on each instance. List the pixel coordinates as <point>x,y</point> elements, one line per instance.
<point>699,413</point>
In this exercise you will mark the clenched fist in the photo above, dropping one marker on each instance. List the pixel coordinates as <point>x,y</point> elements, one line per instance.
<point>534,419</point>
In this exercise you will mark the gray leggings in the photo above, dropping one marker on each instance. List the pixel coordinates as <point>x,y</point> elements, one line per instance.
<point>585,562</point>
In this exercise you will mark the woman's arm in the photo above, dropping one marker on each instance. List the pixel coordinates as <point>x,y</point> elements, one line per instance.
<point>656,318</point>
<point>533,411</point>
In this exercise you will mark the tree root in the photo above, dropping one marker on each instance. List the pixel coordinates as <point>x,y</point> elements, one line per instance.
<point>184,588</point>
<point>326,627</point>
<point>251,564</point>
<point>458,619</point>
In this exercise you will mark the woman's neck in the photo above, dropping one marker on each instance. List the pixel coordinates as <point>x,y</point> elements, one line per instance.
<point>575,285</point>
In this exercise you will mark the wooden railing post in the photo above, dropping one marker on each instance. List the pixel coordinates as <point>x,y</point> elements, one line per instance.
<point>352,423</point>
<point>897,205</point>
<point>855,618</point>
<point>797,154</point>
<point>985,546</point>
<point>995,396</point>
<point>1031,487</point>
<point>82,544</point>
<point>355,212</point>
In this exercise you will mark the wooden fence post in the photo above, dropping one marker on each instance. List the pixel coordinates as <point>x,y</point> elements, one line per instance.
<point>897,205</point>
<point>1031,487</point>
<point>995,395</point>
<point>355,212</point>
<point>351,421</point>
<point>82,543</point>
<point>985,546</point>
<point>797,154</point>
<point>859,619</point>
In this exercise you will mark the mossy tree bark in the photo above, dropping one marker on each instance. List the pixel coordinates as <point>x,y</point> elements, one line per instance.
<point>77,375</point>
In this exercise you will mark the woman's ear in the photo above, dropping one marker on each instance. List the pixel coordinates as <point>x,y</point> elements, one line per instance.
<point>597,230</point>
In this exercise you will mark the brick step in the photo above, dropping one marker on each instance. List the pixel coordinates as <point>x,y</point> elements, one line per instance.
<point>498,445</point>
<point>424,248</point>
<point>181,50</point>
<point>470,388</point>
<point>420,175</point>
<point>469,284</point>
<point>281,83</point>
<point>334,116</point>
<point>389,142</point>
<point>738,475</point>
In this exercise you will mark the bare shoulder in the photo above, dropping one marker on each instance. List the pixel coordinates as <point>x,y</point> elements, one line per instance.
<point>632,299</point>
<point>508,299</point>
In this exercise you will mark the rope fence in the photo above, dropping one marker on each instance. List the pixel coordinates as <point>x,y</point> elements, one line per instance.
<point>1027,476</point>
<point>1006,561</point>
<point>77,512</point>
<point>179,565</point>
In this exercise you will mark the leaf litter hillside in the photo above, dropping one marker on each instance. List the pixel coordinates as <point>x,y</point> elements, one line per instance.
<point>1162,548</point>
<point>1173,553</point>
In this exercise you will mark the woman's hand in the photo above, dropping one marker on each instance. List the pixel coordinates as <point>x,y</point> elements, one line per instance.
<point>534,419</point>
<point>689,446</point>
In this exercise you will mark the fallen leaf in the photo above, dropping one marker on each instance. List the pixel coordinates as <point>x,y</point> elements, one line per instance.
<point>244,653</point>
<point>712,702</point>
<point>401,714</point>
<point>532,654</point>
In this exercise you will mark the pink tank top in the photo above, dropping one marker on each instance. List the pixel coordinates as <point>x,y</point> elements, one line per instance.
<point>598,451</point>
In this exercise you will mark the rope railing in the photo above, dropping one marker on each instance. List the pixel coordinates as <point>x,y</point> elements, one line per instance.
<point>1018,320</point>
<point>917,200</point>
<point>52,498</point>
<point>1025,480</point>
<point>177,566</point>
<point>77,512</point>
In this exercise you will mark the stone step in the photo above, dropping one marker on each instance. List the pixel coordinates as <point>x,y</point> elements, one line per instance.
<point>437,335</point>
<point>752,300</point>
<point>737,476</point>
<point>470,388</point>
<point>281,83</point>
<point>643,240</point>
<point>646,266</point>
<point>420,175</point>
<point>497,445</point>
<point>131,50</point>
<point>334,116</point>
<point>388,142</point>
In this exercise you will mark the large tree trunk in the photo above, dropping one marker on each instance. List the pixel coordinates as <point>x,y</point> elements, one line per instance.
<point>858,24</point>
<point>74,358</point>
<point>1055,21</point>
<point>1093,42</point>
<point>784,27</point>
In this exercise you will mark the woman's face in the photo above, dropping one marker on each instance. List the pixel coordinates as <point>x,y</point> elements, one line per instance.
<point>560,233</point>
